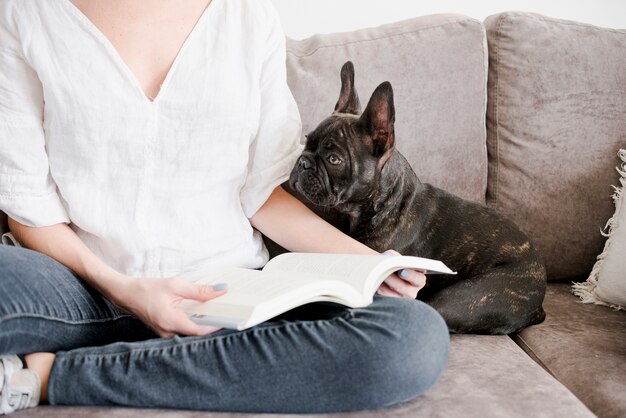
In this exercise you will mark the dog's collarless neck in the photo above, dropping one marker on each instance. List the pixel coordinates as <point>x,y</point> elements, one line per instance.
<point>388,201</point>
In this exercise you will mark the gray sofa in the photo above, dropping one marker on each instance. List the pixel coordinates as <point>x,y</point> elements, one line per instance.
<point>524,113</point>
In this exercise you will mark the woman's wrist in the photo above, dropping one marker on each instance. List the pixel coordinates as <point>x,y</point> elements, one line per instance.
<point>61,243</point>
<point>113,285</point>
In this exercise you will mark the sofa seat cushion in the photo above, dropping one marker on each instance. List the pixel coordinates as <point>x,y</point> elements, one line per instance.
<point>556,118</point>
<point>437,66</point>
<point>584,347</point>
<point>486,376</point>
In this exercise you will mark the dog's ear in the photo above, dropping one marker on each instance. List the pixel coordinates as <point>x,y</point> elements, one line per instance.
<point>378,118</point>
<point>348,100</point>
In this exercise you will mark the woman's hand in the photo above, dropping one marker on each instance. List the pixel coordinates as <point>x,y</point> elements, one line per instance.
<point>154,301</point>
<point>399,286</point>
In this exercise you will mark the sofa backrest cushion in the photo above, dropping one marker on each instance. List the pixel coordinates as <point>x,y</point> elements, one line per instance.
<point>437,67</point>
<point>555,121</point>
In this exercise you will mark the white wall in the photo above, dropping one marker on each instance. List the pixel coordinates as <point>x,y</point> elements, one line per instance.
<point>302,18</point>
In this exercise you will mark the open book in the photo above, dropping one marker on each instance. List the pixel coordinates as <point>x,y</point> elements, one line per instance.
<point>293,279</point>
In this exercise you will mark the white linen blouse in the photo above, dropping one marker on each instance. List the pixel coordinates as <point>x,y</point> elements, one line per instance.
<point>154,188</point>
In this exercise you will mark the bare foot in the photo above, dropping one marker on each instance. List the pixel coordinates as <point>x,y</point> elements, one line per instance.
<point>41,363</point>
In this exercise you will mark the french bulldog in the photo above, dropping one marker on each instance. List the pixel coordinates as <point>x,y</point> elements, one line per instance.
<point>350,164</point>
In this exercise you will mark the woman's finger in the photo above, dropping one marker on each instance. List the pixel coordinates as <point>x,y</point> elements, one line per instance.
<point>195,291</point>
<point>182,324</point>
<point>416,278</point>
<point>165,334</point>
<point>385,290</point>
<point>401,287</point>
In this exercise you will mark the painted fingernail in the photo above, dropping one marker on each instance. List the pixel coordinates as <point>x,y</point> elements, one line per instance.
<point>219,286</point>
<point>404,273</point>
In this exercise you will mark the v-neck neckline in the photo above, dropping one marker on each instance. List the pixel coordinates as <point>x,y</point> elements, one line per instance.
<point>115,56</point>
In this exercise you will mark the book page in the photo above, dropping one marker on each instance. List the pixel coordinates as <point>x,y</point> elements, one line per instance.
<point>254,296</point>
<point>348,268</point>
<point>252,287</point>
<point>363,272</point>
<point>249,287</point>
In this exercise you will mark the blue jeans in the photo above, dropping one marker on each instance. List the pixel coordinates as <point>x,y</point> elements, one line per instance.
<point>314,359</point>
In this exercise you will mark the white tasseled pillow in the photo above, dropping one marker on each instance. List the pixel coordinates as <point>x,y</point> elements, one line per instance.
<point>606,284</point>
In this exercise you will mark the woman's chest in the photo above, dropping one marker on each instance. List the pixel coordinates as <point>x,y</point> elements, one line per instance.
<point>147,35</point>
<point>214,79</point>
<point>96,113</point>
<point>215,73</point>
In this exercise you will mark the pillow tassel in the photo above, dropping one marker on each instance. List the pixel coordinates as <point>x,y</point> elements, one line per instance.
<point>586,290</point>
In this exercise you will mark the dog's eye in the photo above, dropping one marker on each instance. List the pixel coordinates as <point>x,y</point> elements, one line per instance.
<point>333,159</point>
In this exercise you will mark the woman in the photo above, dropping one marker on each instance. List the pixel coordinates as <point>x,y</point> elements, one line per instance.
<point>144,141</point>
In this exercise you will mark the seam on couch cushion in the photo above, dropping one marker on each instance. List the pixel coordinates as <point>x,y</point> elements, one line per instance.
<point>393,35</point>
<point>530,16</point>
<point>493,201</point>
<point>519,340</point>
<point>485,50</point>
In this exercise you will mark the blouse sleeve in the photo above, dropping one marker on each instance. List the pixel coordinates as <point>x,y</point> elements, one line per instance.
<point>27,192</point>
<point>276,146</point>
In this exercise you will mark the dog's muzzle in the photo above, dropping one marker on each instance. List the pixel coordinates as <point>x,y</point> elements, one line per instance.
<point>304,162</point>
<point>307,179</point>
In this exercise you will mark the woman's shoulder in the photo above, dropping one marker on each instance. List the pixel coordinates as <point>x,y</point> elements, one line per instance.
<point>12,19</point>
<point>254,24</point>
<point>18,16</point>
<point>254,14</point>
<point>261,9</point>
<point>10,10</point>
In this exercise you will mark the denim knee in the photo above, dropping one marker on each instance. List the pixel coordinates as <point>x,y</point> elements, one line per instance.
<point>21,275</point>
<point>12,263</point>
<point>20,263</point>
<point>408,352</point>
<point>36,284</point>
<point>46,307</point>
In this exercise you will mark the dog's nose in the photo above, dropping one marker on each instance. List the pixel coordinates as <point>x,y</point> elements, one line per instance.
<point>304,162</point>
